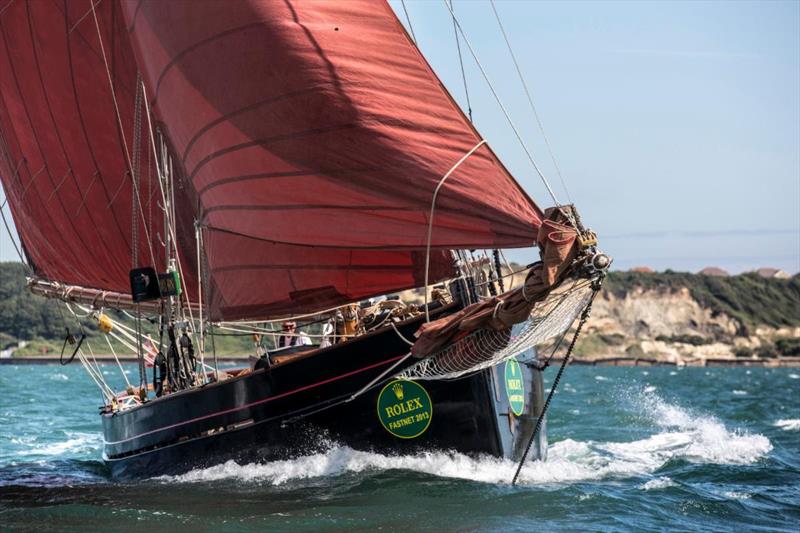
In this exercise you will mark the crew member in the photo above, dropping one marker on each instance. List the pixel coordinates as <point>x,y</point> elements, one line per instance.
<point>290,336</point>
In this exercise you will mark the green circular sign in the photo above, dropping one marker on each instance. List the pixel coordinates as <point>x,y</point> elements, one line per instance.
<point>405,409</point>
<point>515,387</point>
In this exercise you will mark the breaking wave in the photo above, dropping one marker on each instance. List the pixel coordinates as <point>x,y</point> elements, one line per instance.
<point>76,444</point>
<point>680,435</point>
<point>658,483</point>
<point>788,424</point>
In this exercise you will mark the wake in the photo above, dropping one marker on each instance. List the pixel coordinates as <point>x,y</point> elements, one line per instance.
<point>680,435</point>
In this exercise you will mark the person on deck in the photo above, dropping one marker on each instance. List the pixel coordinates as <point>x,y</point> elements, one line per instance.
<point>290,336</point>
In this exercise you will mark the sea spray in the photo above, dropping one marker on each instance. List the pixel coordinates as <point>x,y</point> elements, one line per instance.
<point>687,456</point>
<point>695,436</point>
<point>680,434</point>
<point>788,424</point>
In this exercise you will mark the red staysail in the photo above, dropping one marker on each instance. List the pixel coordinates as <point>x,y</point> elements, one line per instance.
<point>308,136</point>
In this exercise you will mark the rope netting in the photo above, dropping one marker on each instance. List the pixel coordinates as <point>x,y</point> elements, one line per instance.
<point>484,348</point>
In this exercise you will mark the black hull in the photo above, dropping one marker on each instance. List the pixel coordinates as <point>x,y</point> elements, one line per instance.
<point>296,408</point>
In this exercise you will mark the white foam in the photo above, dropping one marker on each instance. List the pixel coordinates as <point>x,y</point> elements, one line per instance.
<point>59,377</point>
<point>76,443</point>
<point>601,378</point>
<point>700,438</point>
<point>740,392</point>
<point>658,483</point>
<point>794,376</point>
<point>680,434</point>
<point>733,495</point>
<point>568,461</point>
<point>788,424</point>
<point>650,388</point>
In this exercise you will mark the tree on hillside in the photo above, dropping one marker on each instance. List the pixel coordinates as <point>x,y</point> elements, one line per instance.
<point>24,315</point>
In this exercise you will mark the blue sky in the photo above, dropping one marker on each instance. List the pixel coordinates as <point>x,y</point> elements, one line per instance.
<point>676,124</point>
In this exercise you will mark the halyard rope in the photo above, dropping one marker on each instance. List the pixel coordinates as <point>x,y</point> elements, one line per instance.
<point>461,63</point>
<point>408,19</point>
<point>121,129</point>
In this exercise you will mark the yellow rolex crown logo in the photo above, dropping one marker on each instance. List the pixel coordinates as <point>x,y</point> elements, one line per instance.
<point>398,390</point>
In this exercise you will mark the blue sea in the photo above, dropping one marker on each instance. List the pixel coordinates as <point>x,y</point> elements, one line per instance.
<point>630,449</point>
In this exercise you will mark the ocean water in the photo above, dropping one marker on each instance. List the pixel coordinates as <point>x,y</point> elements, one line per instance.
<point>711,449</point>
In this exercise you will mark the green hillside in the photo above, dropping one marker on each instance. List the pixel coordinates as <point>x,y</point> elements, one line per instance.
<point>25,316</point>
<point>749,298</point>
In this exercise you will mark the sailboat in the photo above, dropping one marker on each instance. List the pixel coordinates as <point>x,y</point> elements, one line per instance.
<point>203,167</point>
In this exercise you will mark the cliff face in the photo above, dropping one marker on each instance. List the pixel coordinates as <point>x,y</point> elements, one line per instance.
<point>676,316</point>
<point>643,313</point>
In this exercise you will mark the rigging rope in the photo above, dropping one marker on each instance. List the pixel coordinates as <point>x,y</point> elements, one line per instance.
<point>198,237</point>
<point>408,19</point>
<point>502,107</point>
<point>530,100</point>
<point>122,370</point>
<point>584,317</point>
<point>402,338</point>
<point>430,220</point>
<point>121,129</point>
<point>11,238</point>
<point>168,213</point>
<point>461,62</point>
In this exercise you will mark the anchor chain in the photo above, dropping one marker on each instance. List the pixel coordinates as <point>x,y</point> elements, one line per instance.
<point>584,317</point>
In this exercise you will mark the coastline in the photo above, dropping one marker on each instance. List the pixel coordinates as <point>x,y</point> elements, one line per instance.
<point>777,362</point>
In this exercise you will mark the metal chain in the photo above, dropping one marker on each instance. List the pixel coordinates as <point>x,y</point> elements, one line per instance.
<point>498,270</point>
<point>584,317</point>
<point>135,171</point>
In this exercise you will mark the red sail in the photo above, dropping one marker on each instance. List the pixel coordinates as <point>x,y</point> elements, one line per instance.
<point>312,130</point>
<point>62,159</point>
<point>308,139</point>
<point>256,279</point>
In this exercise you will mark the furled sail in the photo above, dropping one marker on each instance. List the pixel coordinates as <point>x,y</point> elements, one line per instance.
<point>62,155</point>
<point>314,135</point>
